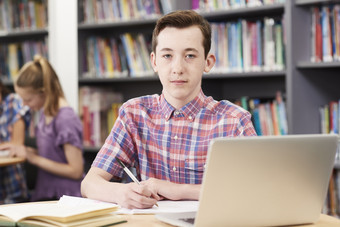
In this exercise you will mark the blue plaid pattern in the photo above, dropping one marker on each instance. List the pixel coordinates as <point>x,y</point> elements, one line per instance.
<point>12,178</point>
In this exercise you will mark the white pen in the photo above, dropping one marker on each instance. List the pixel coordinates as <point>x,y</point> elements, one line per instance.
<point>129,173</point>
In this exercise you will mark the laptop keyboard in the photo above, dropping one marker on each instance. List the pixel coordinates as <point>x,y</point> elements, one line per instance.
<point>188,220</point>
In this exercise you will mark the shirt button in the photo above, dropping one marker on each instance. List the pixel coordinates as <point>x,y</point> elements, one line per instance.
<point>174,168</point>
<point>175,137</point>
<point>176,112</point>
<point>190,117</point>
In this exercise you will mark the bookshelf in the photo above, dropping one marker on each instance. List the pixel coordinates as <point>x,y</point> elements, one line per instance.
<point>23,32</point>
<point>309,84</point>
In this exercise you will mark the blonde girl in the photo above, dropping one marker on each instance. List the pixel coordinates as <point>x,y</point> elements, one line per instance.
<point>58,133</point>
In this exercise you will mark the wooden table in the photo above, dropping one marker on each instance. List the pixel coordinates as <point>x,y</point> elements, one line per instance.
<point>141,220</point>
<point>6,161</point>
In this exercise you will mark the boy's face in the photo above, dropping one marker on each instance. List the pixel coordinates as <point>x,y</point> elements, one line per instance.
<point>180,62</point>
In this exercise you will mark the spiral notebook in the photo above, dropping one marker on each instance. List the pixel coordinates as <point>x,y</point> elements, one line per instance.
<point>263,181</point>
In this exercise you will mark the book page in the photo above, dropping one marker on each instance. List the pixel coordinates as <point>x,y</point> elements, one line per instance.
<point>164,206</point>
<point>67,200</point>
<point>58,211</point>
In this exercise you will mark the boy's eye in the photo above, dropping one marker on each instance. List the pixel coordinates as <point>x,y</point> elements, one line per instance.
<point>190,56</point>
<point>166,56</point>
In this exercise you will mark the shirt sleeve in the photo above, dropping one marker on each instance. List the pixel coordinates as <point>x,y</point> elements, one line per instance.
<point>118,144</point>
<point>247,127</point>
<point>69,129</point>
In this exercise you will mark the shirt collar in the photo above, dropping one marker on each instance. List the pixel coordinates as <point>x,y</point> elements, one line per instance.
<point>190,110</point>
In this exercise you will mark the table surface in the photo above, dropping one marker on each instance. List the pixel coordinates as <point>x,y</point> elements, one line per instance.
<point>6,161</point>
<point>141,220</point>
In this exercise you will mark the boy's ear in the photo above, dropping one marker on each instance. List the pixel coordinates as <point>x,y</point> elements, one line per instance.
<point>209,62</point>
<point>153,61</point>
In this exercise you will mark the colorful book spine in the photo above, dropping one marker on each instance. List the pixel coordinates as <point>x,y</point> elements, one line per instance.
<point>268,116</point>
<point>98,112</point>
<point>98,11</point>
<point>246,46</point>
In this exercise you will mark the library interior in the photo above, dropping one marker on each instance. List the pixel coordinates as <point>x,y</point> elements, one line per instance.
<point>279,60</point>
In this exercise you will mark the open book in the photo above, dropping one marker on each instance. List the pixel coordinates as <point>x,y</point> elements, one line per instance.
<point>67,212</point>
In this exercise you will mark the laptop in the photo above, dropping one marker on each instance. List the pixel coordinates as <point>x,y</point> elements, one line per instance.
<point>263,181</point>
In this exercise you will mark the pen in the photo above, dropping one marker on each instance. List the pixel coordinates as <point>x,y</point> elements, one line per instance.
<point>129,173</point>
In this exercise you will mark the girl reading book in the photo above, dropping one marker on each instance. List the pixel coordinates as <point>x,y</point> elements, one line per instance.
<point>58,133</point>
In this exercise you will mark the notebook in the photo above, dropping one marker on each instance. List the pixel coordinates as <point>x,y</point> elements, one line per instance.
<point>263,181</point>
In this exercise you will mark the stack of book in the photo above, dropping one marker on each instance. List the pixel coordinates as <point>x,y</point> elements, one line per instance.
<point>67,212</point>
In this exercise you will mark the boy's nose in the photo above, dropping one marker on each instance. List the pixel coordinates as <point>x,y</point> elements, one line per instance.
<point>177,67</point>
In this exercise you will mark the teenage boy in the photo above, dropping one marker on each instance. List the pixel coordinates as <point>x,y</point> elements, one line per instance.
<point>166,137</point>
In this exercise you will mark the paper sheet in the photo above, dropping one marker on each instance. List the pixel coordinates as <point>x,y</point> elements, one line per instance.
<point>164,206</point>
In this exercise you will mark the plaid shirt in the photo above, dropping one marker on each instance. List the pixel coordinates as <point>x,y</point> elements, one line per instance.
<point>169,144</point>
<point>12,179</point>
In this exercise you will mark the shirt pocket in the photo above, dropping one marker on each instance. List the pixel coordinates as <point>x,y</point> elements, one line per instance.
<point>194,169</point>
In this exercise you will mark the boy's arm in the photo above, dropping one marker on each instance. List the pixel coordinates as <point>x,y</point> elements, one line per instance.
<point>97,185</point>
<point>173,191</point>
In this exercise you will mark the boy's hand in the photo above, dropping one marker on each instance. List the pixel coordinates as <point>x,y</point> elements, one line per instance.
<point>137,196</point>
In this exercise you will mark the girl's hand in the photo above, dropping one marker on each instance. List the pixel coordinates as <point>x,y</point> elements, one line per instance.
<point>14,150</point>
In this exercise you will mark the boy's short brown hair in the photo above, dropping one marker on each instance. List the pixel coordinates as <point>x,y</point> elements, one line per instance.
<point>183,19</point>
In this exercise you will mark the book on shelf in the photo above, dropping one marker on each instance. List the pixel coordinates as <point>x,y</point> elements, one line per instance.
<point>316,34</point>
<point>96,11</point>
<point>332,202</point>
<point>13,60</point>
<point>213,5</point>
<point>330,117</point>
<point>14,55</point>
<point>248,46</point>
<point>137,56</point>
<point>23,15</point>
<point>105,58</point>
<point>269,117</point>
<point>67,212</point>
<point>253,107</point>
<point>325,33</point>
<point>98,117</point>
